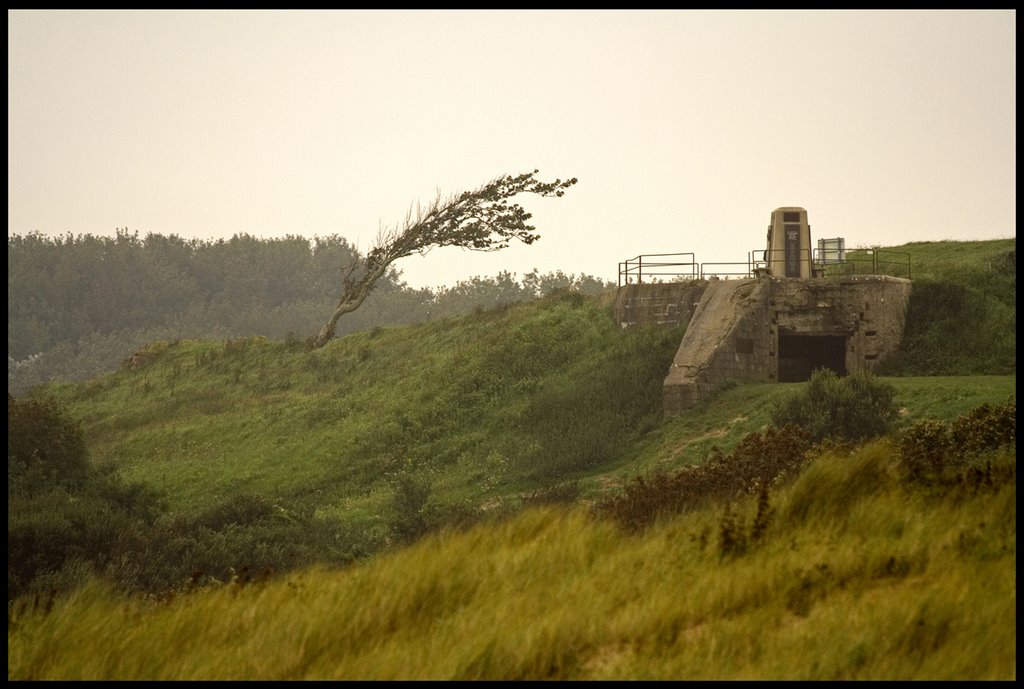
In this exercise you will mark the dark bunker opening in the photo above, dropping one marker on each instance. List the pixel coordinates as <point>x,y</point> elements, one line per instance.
<point>800,355</point>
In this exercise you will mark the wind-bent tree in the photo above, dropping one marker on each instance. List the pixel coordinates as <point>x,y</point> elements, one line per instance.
<point>481,220</point>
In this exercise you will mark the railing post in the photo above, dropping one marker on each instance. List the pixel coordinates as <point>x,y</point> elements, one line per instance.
<point>640,269</point>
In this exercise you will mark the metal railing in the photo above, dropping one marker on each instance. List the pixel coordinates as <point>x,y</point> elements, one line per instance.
<point>752,268</point>
<point>651,268</point>
<point>654,266</point>
<point>867,262</point>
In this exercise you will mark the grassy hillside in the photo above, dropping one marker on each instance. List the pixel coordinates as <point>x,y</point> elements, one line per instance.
<point>477,410</point>
<point>962,316</point>
<point>483,406</point>
<point>856,575</point>
<point>934,259</point>
<point>324,466</point>
<point>270,455</point>
<point>482,410</point>
<point>736,411</point>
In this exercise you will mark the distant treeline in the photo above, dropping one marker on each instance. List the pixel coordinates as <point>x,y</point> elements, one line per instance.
<point>77,306</point>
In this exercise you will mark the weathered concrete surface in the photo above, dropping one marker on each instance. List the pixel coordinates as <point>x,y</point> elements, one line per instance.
<point>668,303</point>
<point>706,355</point>
<point>869,311</point>
<point>772,328</point>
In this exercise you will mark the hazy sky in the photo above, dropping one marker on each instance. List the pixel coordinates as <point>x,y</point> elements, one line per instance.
<point>684,128</point>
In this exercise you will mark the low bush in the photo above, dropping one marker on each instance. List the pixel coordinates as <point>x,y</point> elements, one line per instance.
<point>929,449</point>
<point>759,461</point>
<point>850,409</point>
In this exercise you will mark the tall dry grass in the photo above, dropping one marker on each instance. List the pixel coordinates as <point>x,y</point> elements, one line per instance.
<point>858,575</point>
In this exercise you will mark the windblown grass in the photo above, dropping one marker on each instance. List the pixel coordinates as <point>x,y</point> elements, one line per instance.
<point>858,576</point>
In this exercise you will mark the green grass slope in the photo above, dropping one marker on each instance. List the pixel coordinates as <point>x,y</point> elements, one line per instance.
<point>321,463</point>
<point>933,259</point>
<point>277,455</point>
<point>481,410</point>
<point>480,407</point>
<point>855,575</point>
<point>962,315</point>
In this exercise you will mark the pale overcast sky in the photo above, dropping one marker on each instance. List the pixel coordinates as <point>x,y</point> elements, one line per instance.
<point>685,128</point>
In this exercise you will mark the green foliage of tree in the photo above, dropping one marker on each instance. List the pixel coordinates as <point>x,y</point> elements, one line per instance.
<point>850,409</point>
<point>66,288</point>
<point>480,220</point>
<point>480,292</point>
<point>79,305</point>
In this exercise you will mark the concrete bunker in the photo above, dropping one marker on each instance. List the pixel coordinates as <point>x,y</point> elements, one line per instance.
<point>790,312</point>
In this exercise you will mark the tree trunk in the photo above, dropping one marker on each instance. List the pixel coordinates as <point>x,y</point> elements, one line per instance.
<point>327,332</point>
<point>351,300</point>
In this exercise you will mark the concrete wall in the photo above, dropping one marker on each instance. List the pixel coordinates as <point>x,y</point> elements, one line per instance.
<point>755,329</point>
<point>868,310</point>
<point>668,303</point>
<point>727,338</point>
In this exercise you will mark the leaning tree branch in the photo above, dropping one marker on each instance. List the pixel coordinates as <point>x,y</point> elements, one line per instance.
<point>481,220</point>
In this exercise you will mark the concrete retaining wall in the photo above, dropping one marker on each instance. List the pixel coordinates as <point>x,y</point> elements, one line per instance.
<point>671,303</point>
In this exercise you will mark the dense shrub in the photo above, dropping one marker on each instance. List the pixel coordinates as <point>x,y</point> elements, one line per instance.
<point>45,448</point>
<point>851,409</point>
<point>416,510</point>
<point>928,448</point>
<point>56,532</point>
<point>63,513</point>
<point>242,509</point>
<point>758,462</point>
<point>984,428</point>
<point>245,535</point>
<point>734,536</point>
